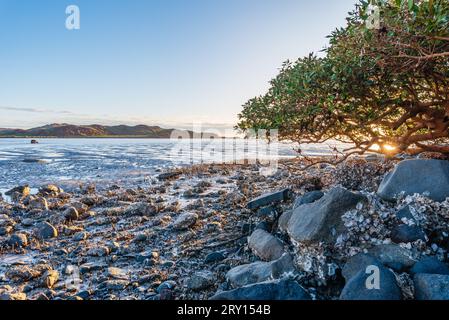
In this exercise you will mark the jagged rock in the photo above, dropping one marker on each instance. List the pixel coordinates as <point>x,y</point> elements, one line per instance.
<point>270,290</point>
<point>393,256</point>
<point>356,288</point>
<point>358,263</point>
<point>307,198</point>
<point>405,234</point>
<point>270,198</point>
<point>185,221</point>
<point>430,265</point>
<point>265,245</point>
<point>201,280</point>
<point>18,240</point>
<point>45,230</point>
<point>321,221</point>
<point>417,176</point>
<point>431,286</point>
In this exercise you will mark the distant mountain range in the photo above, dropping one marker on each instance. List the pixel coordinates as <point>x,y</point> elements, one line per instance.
<point>64,130</point>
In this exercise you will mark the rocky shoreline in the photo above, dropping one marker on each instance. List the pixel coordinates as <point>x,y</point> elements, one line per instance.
<point>231,232</point>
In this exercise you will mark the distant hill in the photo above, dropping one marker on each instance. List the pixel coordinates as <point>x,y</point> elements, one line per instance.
<point>65,130</point>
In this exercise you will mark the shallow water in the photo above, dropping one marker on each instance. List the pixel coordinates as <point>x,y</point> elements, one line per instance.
<point>71,161</point>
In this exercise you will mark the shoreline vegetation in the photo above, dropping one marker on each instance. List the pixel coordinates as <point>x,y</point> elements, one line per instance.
<point>229,232</point>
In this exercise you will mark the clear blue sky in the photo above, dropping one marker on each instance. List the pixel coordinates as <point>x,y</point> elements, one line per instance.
<point>166,62</point>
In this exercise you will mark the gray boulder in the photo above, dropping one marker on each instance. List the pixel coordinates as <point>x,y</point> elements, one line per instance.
<point>307,198</point>
<point>270,198</point>
<point>431,286</point>
<point>265,245</point>
<point>430,265</point>
<point>284,220</point>
<point>321,221</point>
<point>270,290</point>
<point>358,263</point>
<point>357,288</point>
<point>417,176</point>
<point>405,234</point>
<point>393,256</point>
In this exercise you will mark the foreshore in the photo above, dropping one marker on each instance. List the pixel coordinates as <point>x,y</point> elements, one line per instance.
<point>183,235</point>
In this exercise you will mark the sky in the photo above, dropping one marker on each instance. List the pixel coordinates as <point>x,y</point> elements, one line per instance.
<point>157,62</point>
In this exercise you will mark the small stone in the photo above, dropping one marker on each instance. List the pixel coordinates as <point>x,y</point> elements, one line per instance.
<point>405,213</point>
<point>185,221</point>
<point>39,203</point>
<point>431,286</point>
<point>18,240</point>
<point>214,257</point>
<point>80,236</point>
<point>265,246</point>
<point>100,251</point>
<point>49,278</point>
<point>71,214</point>
<point>141,237</point>
<point>117,273</point>
<point>200,281</point>
<point>166,285</point>
<point>45,231</point>
<point>405,234</point>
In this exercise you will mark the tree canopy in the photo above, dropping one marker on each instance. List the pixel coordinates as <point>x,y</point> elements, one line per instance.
<point>382,88</point>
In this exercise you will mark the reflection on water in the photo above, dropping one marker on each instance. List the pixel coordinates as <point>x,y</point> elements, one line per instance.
<point>73,160</point>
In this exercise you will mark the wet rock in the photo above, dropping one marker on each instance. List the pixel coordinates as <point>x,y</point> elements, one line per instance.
<point>430,265</point>
<point>200,281</point>
<point>71,214</point>
<point>307,198</point>
<point>357,289</point>
<point>431,286</point>
<point>185,221</point>
<point>265,246</point>
<point>321,221</point>
<point>269,290</point>
<point>405,234</point>
<point>393,256</point>
<point>358,263</point>
<point>18,240</point>
<point>45,231</point>
<point>214,257</point>
<point>417,176</point>
<point>269,198</point>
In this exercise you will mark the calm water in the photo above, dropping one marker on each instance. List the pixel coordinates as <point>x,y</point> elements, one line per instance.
<point>69,161</point>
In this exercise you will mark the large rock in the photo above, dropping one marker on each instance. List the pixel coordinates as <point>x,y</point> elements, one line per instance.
<point>357,263</point>
<point>417,176</point>
<point>357,289</point>
<point>405,234</point>
<point>393,256</point>
<point>431,286</point>
<point>260,271</point>
<point>265,245</point>
<point>321,221</point>
<point>284,219</point>
<point>270,290</point>
<point>430,265</point>
<point>270,198</point>
<point>307,198</point>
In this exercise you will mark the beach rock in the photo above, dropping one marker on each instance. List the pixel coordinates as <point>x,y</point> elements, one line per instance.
<point>22,190</point>
<point>266,211</point>
<point>307,198</point>
<point>40,161</point>
<point>39,203</point>
<point>214,257</point>
<point>270,198</point>
<point>71,214</point>
<point>269,290</point>
<point>45,230</point>
<point>405,213</point>
<point>201,280</point>
<point>356,288</point>
<point>49,279</point>
<point>417,176</point>
<point>282,267</point>
<point>7,296</point>
<point>18,240</point>
<point>50,189</point>
<point>284,220</point>
<point>141,209</point>
<point>100,251</point>
<point>431,286</point>
<point>166,285</point>
<point>321,221</point>
<point>405,234</point>
<point>430,265</point>
<point>117,273</point>
<point>249,273</point>
<point>185,221</point>
<point>393,256</point>
<point>265,246</point>
<point>169,175</point>
<point>358,263</point>
<point>80,236</point>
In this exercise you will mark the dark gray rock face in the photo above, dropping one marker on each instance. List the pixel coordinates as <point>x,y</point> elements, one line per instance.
<point>430,265</point>
<point>405,234</point>
<point>358,263</point>
<point>270,290</point>
<point>393,256</point>
<point>268,199</point>
<point>417,176</point>
<point>265,245</point>
<point>431,286</point>
<point>321,220</point>
<point>357,289</point>
<point>307,198</point>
